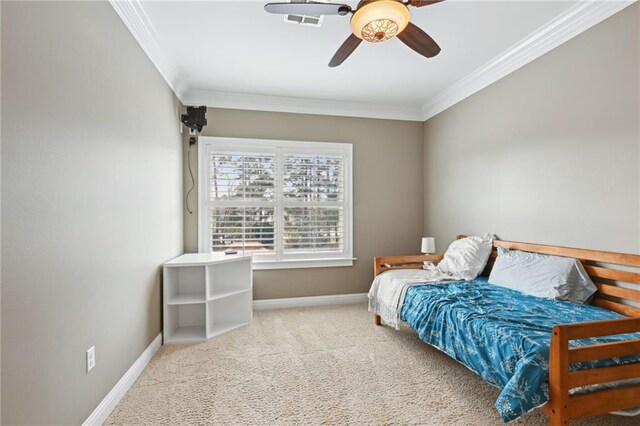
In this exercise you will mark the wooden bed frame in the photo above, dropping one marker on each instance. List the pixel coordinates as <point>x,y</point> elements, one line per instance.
<point>603,267</point>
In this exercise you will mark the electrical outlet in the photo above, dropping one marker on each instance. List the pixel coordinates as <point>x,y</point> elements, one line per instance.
<point>91,358</point>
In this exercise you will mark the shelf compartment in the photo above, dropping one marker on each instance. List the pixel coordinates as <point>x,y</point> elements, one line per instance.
<point>186,323</point>
<point>184,282</point>
<point>222,295</point>
<point>230,312</point>
<point>188,334</point>
<point>228,277</point>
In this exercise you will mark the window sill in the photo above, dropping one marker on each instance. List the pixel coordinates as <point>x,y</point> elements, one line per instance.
<point>302,263</point>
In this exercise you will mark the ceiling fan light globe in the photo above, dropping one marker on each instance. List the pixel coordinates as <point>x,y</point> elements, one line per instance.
<point>380,20</point>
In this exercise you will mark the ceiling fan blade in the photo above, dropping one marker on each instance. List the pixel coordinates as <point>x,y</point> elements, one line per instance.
<point>345,50</point>
<point>311,8</point>
<point>419,41</point>
<point>421,3</point>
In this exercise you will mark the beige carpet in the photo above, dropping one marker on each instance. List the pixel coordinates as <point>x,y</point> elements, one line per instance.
<point>327,365</point>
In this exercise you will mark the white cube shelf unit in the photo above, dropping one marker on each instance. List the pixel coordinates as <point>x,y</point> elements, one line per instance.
<point>206,294</point>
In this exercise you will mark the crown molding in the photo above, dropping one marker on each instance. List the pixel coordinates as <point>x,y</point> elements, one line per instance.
<point>137,21</point>
<point>576,20</point>
<point>561,29</point>
<point>300,105</point>
<point>135,18</point>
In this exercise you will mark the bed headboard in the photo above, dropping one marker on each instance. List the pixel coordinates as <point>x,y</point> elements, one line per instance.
<point>607,270</point>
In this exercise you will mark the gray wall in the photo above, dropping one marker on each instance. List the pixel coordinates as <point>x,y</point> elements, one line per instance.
<point>387,186</point>
<point>549,154</point>
<point>91,198</point>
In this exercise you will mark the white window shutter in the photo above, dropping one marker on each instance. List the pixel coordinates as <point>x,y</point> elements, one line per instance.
<point>282,201</point>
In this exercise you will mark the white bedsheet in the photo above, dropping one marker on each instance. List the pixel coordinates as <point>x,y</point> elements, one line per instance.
<point>387,292</point>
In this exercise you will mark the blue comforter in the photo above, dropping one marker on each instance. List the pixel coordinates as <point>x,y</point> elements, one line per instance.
<point>501,334</point>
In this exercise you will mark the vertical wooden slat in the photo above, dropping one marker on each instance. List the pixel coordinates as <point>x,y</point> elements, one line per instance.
<point>559,377</point>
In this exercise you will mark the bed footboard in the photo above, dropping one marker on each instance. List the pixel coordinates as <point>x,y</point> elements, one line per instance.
<point>563,407</point>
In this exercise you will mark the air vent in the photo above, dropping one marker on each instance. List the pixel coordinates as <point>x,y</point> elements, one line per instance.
<point>314,21</point>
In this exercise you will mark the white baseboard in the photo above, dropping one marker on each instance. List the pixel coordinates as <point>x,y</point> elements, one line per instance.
<point>104,409</point>
<point>302,302</point>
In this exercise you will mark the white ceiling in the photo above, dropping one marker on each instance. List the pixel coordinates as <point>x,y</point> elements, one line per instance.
<point>236,48</point>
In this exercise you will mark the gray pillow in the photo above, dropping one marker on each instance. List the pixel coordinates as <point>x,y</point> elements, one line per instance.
<point>551,277</point>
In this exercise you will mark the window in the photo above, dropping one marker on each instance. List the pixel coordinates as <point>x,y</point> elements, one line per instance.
<point>288,203</point>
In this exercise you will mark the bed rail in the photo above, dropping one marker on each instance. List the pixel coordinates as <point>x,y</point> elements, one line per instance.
<point>386,263</point>
<point>562,406</point>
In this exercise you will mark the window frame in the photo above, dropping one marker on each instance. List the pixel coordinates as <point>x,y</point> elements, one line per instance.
<point>279,260</point>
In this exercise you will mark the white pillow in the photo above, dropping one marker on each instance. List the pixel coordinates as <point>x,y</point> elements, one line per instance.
<point>466,258</point>
<point>551,277</point>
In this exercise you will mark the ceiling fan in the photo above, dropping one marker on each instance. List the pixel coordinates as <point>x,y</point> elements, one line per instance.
<point>374,21</point>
